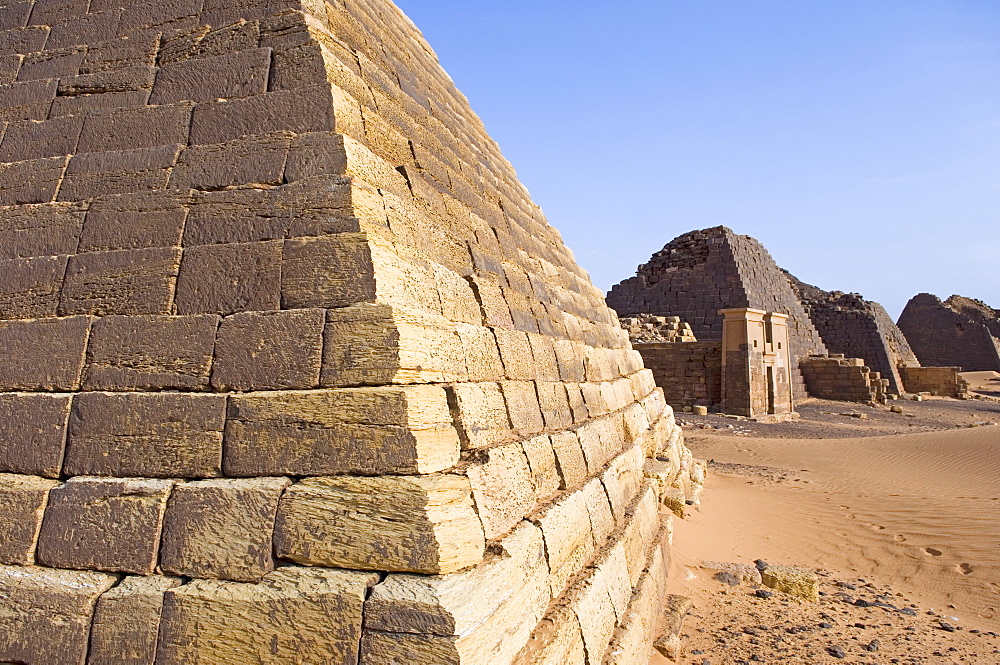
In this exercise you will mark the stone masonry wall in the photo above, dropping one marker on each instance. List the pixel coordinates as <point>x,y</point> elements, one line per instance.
<point>944,381</point>
<point>690,373</point>
<point>857,328</point>
<point>848,379</point>
<point>956,332</point>
<point>701,272</point>
<point>294,370</point>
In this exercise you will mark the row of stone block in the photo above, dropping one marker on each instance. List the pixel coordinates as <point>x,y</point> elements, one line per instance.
<point>287,349</point>
<point>428,524</point>
<point>485,614</point>
<point>405,429</point>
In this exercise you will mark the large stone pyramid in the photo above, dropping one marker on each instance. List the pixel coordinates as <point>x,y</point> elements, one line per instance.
<point>700,273</point>
<point>293,370</point>
<point>960,332</point>
<point>858,328</point>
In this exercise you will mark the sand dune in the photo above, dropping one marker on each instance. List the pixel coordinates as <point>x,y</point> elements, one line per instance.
<point>921,511</point>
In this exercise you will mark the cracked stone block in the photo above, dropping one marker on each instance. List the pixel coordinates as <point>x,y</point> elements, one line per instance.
<point>45,614</point>
<point>33,433</point>
<point>22,504</point>
<point>221,528</point>
<point>303,615</point>
<point>422,524</point>
<point>107,524</point>
<point>127,621</point>
<point>43,354</point>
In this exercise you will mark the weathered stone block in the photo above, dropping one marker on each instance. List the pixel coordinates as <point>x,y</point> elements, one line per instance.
<point>33,433</point>
<point>793,581</point>
<point>515,351</point>
<point>221,528</point>
<point>22,504</point>
<point>107,524</point>
<point>43,354</point>
<point>206,79</point>
<point>31,287</point>
<point>116,80</point>
<point>482,357</point>
<point>223,279</point>
<point>31,181</point>
<point>99,173</point>
<point>85,28</point>
<point>159,435</point>
<point>522,406</point>
<point>40,230</point>
<point>569,539</point>
<point>481,615</point>
<point>253,159</point>
<point>82,104</point>
<point>294,615</point>
<point>127,621</point>
<point>128,281</point>
<point>502,485</point>
<point>136,220</point>
<point>300,110</point>
<point>269,350</point>
<point>139,127</point>
<point>150,352</point>
<point>32,139</point>
<point>330,271</point>
<point>570,460</point>
<point>421,524</point>
<point>26,100</point>
<point>15,15</point>
<point>351,430</point>
<point>480,413</point>
<point>47,613</point>
<point>554,403</point>
<point>129,51</point>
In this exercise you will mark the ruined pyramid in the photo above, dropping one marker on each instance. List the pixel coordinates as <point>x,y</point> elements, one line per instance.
<point>959,332</point>
<point>702,272</point>
<point>293,370</point>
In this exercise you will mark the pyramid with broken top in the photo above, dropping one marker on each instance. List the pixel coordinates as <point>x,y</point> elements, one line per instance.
<point>293,370</point>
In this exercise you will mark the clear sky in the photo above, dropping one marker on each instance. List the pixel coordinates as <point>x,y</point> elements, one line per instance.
<point>859,140</point>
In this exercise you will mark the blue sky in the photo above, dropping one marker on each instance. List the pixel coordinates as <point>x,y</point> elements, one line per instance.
<point>858,140</point>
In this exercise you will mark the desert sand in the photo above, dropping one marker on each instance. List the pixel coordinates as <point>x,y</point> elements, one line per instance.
<point>913,515</point>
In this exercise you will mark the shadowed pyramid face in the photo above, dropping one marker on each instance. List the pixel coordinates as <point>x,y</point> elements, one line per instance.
<point>287,348</point>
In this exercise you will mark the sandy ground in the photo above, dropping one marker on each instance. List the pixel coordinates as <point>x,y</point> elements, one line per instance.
<point>910,520</point>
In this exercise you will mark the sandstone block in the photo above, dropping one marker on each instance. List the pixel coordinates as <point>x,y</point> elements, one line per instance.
<point>482,357</point>
<point>254,159</point>
<point>31,139</point>
<point>597,438</point>
<point>481,615</point>
<point>330,271</point>
<point>554,403</point>
<point>300,110</point>
<point>99,173</point>
<point>570,360</point>
<point>596,614</point>
<point>31,181</point>
<point>26,100</point>
<point>221,528</point>
<point>130,281</point>
<point>480,413</point>
<point>602,520</point>
<point>302,615</point>
<point>421,524</point>
<point>40,230</point>
<point>9,65</point>
<point>43,354</point>
<point>46,613</point>
<point>569,539</point>
<point>544,469</point>
<point>141,127</point>
<point>158,435</point>
<point>559,640</point>
<point>206,79</point>
<point>669,641</point>
<point>352,430</point>
<point>522,406</point>
<point>22,504</point>
<point>127,621</point>
<point>269,350</point>
<point>84,29</point>
<point>104,524</point>
<point>223,279</point>
<point>82,104</point>
<point>622,480</point>
<point>150,352</point>
<point>502,486</point>
<point>571,463</point>
<point>31,287</point>
<point>368,344</point>
<point>33,433</point>
<point>116,80</point>
<point>641,532</point>
<point>793,581</point>
<point>15,15</point>
<point>130,51</point>
<point>139,220</point>
<point>515,352</point>
<point>641,623</point>
<point>47,12</point>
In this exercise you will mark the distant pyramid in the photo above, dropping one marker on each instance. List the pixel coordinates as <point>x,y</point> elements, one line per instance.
<point>960,332</point>
<point>293,369</point>
<point>702,272</point>
<point>857,328</point>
